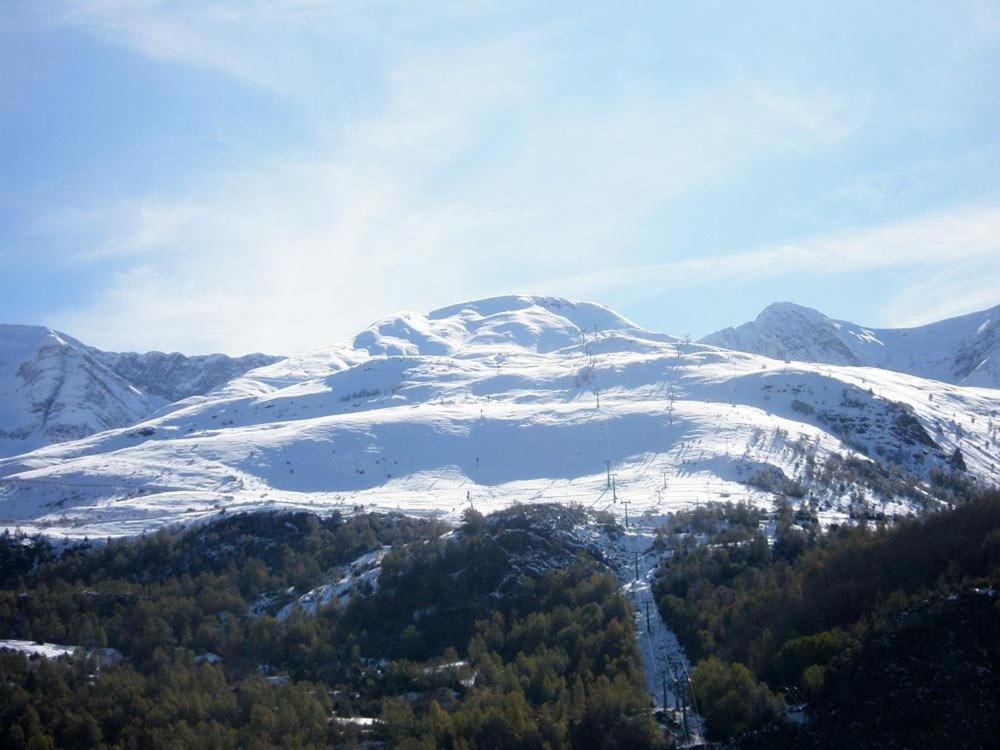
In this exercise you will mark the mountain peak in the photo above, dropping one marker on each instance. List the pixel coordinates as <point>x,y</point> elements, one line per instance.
<point>533,323</point>
<point>55,388</point>
<point>790,308</point>
<point>964,350</point>
<point>585,315</point>
<point>18,341</point>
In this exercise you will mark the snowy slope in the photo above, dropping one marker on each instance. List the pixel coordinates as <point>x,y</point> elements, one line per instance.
<point>963,350</point>
<point>495,402</point>
<point>54,388</point>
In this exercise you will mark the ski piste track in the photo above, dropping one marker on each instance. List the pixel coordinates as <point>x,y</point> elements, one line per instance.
<point>665,665</point>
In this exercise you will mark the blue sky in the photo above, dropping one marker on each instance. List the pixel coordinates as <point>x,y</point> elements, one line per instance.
<point>250,175</point>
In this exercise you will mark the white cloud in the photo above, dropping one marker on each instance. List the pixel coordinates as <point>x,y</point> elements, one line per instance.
<point>931,240</point>
<point>293,48</point>
<point>944,291</point>
<point>296,255</point>
<point>453,188</point>
<point>193,33</point>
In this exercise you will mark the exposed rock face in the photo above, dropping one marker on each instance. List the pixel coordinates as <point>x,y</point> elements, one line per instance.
<point>176,376</point>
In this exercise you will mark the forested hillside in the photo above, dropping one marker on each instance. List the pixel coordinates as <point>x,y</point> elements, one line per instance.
<point>504,633</point>
<point>889,635</point>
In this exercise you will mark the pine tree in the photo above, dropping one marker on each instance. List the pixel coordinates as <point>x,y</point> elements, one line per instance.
<point>957,460</point>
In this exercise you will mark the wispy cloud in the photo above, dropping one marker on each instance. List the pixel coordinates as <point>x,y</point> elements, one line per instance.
<point>245,39</point>
<point>451,184</point>
<point>447,178</point>
<point>933,240</point>
<point>944,291</point>
<point>293,48</point>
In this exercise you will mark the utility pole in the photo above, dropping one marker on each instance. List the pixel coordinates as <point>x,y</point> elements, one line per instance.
<point>665,704</point>
<point>614,496</point>
<point>649,630</point>
<point>607,463</point>
<point>637,574</point>
<point>597,392</point>
<point>684,706</point>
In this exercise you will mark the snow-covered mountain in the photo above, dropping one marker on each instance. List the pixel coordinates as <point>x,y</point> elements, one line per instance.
<point>963,350</point>
<point>513,399</point>
<point>54,388</point>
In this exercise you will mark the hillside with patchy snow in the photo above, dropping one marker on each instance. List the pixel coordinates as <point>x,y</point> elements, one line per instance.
<point>963,350</point>
<point>514,399</point>
<point>54,388</point>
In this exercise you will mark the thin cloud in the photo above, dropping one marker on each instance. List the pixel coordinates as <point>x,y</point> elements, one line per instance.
<point>195,34</point>
<point>945,291</point>
<point>291,48</point>
<point>449,183</point>
<point>933,239</point>
<point>301,254</point>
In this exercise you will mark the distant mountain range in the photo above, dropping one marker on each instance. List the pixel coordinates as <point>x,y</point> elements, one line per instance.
<point>55,388</point>
<point>492,402</point>
<point>963,350</point>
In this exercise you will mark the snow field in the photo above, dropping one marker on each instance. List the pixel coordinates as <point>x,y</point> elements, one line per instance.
<point>489,404</point>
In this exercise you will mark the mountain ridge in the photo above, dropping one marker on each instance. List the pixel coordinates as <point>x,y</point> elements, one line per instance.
<point>507,401</point>
<point>963,350</point>
<point>54,388</point>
